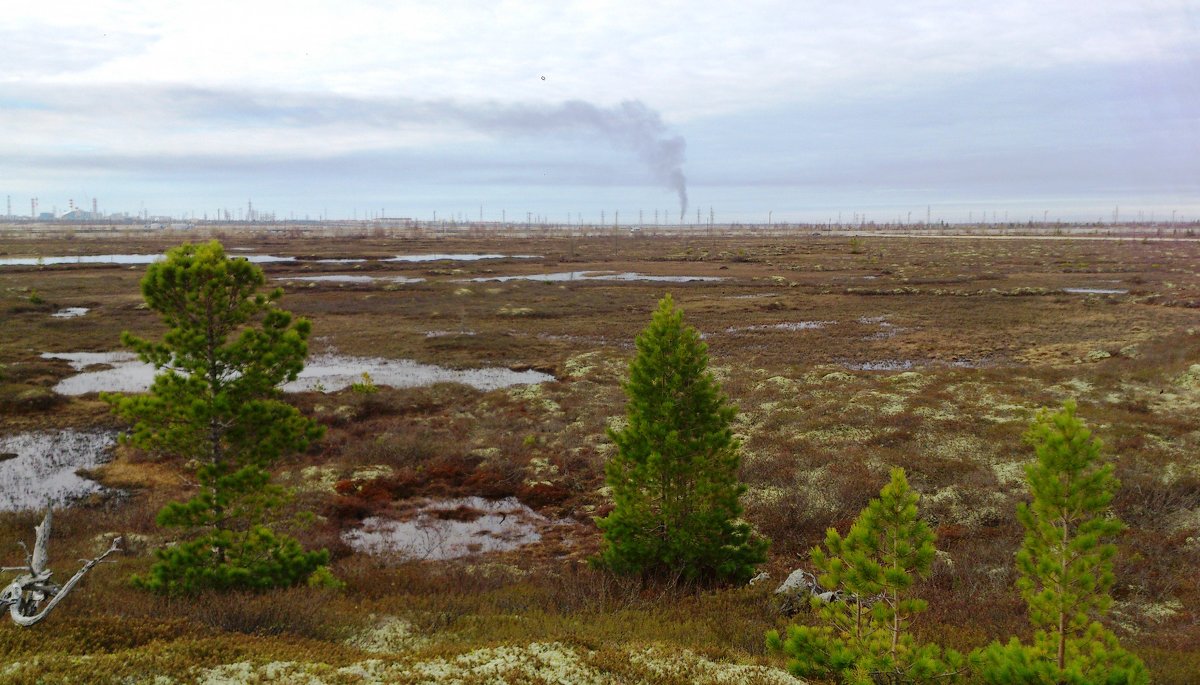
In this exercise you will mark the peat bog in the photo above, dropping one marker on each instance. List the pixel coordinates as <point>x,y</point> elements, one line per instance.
<point>844,360</point>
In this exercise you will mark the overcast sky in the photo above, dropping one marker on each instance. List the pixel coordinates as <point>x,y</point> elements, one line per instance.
<point>803,109</point>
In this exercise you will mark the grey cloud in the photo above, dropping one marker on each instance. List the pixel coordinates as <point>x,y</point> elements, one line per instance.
<point>630,125</point>
<point>351,169</point>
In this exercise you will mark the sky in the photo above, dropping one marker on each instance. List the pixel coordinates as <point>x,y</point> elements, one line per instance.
<point>748,111</point>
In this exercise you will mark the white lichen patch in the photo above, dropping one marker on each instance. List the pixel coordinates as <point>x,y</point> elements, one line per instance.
<point>541,470</point>
<point>371,472</point>
<point>664,662</point>
<point>1131,614</point>
<point>837,377</point>
<point>317,478</point>
<point>389,635</point>
<point>617,423</point>
<point>910,381</point>
<point>1190,379</point>
<point>1010,473</point>
<point>955,505</point>
<point>487,453</point>
<point>721,374</point>
<point>967,448</point>
<point>768,495</point>
<point>534,663</point>
<point>534,396</point>
<point>495,570</point>
<point>286,672</point>
<point>1008,413</point>
<point>776,383</point>
<point>595,366</point>
<point>1076,387</point>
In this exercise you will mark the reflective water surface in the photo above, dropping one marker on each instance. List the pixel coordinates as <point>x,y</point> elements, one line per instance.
<point>43,472</point>
<point>450,529</point>
<point>123,372</point>
<point>594,276</point>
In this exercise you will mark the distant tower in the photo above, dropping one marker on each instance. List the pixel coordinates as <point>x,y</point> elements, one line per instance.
<point>249,210</point>
<point>8,213</point>
<point>71,205</point>
<point>33,208</point>
<point>95,213</point>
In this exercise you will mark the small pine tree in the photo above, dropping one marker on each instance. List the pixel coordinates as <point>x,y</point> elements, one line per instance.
<point>674,476</point>
<point>865,637</point>
<point>1066,568</point>
<point>215,403</point>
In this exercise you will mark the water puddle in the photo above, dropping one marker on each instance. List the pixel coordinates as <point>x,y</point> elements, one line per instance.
<point>124,372</point>
<point>126,259</point>
<point>322,373</point>
<point>593,276</point>
<point>909,364</point>
<point>457,257</point>
<point>339,261</point>
<point>335,372</point>
<point>752,296</point>
<point>450,529</point>
<point>887,329</point>
<point>44,468</point>
<point>447,334</point>
<point>1095,291</point>
<point>70,312</point>
<point>785,326</point>
<point>352,278</point>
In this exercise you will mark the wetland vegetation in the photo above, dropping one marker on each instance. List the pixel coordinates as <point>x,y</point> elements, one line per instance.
<point>844,360</point>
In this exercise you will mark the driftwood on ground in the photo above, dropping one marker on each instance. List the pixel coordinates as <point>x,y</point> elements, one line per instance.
<point>32,595</point>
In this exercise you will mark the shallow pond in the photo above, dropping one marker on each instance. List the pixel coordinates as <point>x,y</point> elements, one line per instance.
<point>594,276</point>
<point>119,259</point>
<point>785,326</point>
<point>324,373</point>
<point>124,372</point>
<point>450,529</point>
<point>352,278</point>
<point>334,372</point>
<point>43,472</point>
<point>1096,291</point>
<point>70,312</point>
<point>456,257</point>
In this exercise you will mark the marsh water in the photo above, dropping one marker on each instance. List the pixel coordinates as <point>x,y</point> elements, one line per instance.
<point>70,313</point>
<point>352,278</point>
<point>465,257</point>
<point>124,372</point>
<point>1096,291</point>
<point>124,259</point>
<point>593,276</point>
<point>450,529</point>
<point>43,472</point>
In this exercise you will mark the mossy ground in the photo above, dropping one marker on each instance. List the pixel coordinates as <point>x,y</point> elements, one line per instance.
<point>978,333</point>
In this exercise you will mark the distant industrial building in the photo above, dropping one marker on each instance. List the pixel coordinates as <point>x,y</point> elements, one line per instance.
<point>79,215</point>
